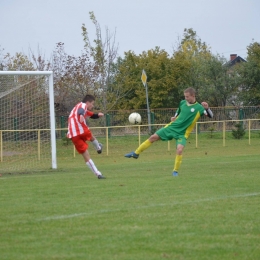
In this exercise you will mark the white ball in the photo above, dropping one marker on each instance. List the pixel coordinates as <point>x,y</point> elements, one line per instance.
<point>135,118</point>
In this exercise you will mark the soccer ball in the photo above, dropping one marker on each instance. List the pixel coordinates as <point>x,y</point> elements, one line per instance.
<point>135,119</point>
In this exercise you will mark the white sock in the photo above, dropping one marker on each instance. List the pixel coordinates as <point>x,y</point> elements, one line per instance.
<point>93,167</point>
<point>96,144</point>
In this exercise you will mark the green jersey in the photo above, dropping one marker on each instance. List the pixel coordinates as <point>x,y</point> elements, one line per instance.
<point>187,116</point>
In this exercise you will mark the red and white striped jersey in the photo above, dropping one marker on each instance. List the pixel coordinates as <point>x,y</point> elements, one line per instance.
<point>74,126</point>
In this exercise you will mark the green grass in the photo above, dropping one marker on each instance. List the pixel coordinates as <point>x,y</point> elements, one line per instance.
<point>210,211</point>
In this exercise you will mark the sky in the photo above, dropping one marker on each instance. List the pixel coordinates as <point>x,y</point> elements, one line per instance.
<point>227,26</point>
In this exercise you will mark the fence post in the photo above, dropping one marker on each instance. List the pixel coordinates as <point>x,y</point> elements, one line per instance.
<point>241,116</point>
<point>152,121</point>
<point>15,128</point>
<point>1,146</point>
<point>62,125</point>
<point>224,133</point>
<point>107,129</point>
<point>196,142</point>
<point>39,145</point>
<point>249,131</point>
<point>108,123</point>
<point>139,134</point>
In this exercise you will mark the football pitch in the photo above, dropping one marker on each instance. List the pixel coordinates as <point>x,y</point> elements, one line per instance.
<point>210,211</point>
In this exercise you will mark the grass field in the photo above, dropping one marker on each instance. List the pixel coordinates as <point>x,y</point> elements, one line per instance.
<point>210,211</point>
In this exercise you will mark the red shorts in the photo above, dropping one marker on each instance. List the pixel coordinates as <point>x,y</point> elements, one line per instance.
<point>80,141</point>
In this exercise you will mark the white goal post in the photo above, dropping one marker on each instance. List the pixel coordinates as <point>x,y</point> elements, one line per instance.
<point>27,94</point>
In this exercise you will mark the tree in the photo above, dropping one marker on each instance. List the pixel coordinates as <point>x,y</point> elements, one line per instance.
<point>250,74</point>
<point>125,74</point>
<point>161,84</point>
<point>18,62</point>
<point>2,64</point>
<point>188,61</point>
<point>103,54</point>
<point>211,75</point>
<point>73,78</point>
<point>127,82</point>
<point>221,81</point>
<point>39,61</point>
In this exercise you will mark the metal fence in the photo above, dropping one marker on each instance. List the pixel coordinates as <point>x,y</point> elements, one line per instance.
<point>159,117</point>
<point>37,149</point>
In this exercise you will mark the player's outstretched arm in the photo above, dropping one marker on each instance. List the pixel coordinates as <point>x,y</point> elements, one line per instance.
<point>96,116</point>
<point>208,110</point>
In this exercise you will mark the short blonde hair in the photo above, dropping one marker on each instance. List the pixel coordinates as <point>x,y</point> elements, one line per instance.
<point>190,90</point>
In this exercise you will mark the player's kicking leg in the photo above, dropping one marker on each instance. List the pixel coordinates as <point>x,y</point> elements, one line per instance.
<point>143,146</point>
<point>132,155</point>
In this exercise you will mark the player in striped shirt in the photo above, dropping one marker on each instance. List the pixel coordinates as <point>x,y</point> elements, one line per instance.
<point>179,128</point>
<point>79,132</point>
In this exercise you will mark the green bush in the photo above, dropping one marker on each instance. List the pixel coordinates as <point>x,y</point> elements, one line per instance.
<point>239,132</point>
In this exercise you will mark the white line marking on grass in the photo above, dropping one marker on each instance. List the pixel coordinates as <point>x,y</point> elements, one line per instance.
<point>148,206</point>
<point>24,176</point>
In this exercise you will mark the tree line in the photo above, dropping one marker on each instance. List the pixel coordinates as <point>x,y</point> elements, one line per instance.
<point>116,81</point>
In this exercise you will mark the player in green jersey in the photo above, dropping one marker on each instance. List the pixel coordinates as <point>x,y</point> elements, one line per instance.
<point>179,128</point>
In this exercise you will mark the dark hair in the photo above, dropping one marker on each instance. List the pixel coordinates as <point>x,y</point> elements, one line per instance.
<point>192,91</point>
<point>88,98</point>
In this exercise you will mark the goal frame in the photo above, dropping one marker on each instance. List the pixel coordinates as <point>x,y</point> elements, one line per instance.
<point>51,107</point>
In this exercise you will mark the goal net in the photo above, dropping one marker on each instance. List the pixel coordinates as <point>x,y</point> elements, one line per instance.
<point>27,122</point>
